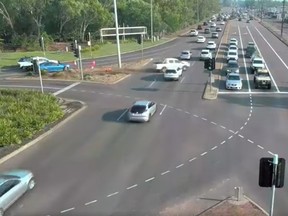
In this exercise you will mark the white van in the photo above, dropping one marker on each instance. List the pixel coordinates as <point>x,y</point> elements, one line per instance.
<point>173,73</point>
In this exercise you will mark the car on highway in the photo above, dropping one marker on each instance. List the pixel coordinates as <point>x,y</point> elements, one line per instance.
<point>201,39</point>
<point>13,185</point>
<point>232,67</point>
<point>186,55</point>
<point>232,48</point>
<point>262,79</point>
<point>205,23</point>
<point>251,44</point>
<point>173,73</point>
<point>257,63</point>
<point>214,35</point>
<point>233,81</point>
<point>53,67</point>
<point>171,62</point>
<point>213,24</point>
<point>211,45</point>
<point>207,31</point>
<point>250,51</point>
<point>199,27</point>
<point>232,55</point>
<point>205,54</point>
<point>142,111</point>
<point>248,21</point>
<point>222,23</point>
<point>233,40</point>
<point>194,32</point>
<point>218,29</point>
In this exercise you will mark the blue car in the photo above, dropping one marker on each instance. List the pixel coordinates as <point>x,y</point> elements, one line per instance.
<point>53,67</point>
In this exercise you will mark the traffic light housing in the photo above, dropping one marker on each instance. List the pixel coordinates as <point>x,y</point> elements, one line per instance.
<point>76,52</point>
<point>266,172</point>
<point>209,64</point>
<point>139,39</point>
<point>72,47</point>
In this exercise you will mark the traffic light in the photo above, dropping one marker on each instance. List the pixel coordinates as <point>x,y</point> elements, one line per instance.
<point>76,52</point>
<point>266,172</point>
<point>72,47</point>
<point>209,64</point>
<point>139,39</point>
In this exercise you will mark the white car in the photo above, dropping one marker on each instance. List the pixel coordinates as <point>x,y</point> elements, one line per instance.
<point>172,62</point>
<point>194,32</point>
<point>173,73</point>
<point>232,48</point>
<point>213,24</point>
<point>142,111</point>
<point>222,23</point>
<point>186,55</point>
<point>201,39</point>
<point>205,54</point>
<point>257,63</point>
<point>233,40</point>
<point>233,81</point>
<point>232,55</point>
<point>211,45</point>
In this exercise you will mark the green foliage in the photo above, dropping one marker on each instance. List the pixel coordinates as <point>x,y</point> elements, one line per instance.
<point>24,113</point>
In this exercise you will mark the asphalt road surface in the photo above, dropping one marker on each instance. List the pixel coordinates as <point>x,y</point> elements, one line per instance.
<point>99,164</point>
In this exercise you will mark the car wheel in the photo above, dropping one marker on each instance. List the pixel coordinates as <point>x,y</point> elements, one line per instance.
<point>163,69</point>
<point>269,86</point>
<point>1,212</point>
<point>148,120</point>
<point>184,68</point>
<point>31,184</point>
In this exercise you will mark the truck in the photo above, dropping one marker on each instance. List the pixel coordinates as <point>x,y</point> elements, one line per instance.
<point>171,63</point>
<point>262,78</point>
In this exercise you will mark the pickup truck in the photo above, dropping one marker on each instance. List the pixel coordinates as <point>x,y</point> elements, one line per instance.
<point>262,78</point>
<point>26,63</point>
<point>171,62</point>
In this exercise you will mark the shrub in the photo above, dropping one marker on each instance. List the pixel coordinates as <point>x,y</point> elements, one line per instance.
<point>24,113</point>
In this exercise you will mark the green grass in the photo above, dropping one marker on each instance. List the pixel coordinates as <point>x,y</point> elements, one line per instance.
<point>10,59</point>
<point>24,113</point>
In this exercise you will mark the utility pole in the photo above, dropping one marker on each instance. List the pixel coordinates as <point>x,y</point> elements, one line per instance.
<point>151,13</point>
<point>283,18</point>
<point>90,43</point>
<point>275,164</point>
<point>198,11</point>
<point>117,34</point>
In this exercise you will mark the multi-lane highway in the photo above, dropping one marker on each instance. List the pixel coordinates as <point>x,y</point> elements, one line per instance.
<point>98,164</point>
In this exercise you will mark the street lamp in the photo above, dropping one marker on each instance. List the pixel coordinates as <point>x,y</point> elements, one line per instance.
<point>117,34</point>
<point>151,7</point>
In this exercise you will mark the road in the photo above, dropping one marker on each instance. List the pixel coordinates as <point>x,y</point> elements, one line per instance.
<point>100,164</point>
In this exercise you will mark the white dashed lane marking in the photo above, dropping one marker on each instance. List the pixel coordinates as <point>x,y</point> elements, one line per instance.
<point>240,136</point>
<point>213,123</point>
<point>179,166</point>
<point>231,131</point>
<point>261,147</point>
<point>250,141</point>
<point>271,153</point>
<point>222,142</point>
<point>67,210</point>
<point>222,126</point>
<point>133,186</point>
<point>204,119</point>
<point>196,116</point>
<point>230,137</point>
<point>163,109</point>
<point>192,159</point>
<point>214,148</point>
<point>112,194</point>
<point>166,172</point>
<point>204,153</point>
<point>91,202</point>
<point>150,179</point>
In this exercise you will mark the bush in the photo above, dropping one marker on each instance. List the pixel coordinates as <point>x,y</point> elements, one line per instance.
<point>24,113</point>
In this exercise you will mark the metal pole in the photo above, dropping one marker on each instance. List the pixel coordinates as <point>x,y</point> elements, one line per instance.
<point>43,46</point>
<point>151,13</point>
<point>142,44</point>
<point>275,164</point>
<point>90,43</point>
<point>210,80</point>
<point>261,10</point>
<point>198,11</point>
<point>124,32</point>
<point>283,16</point>
<point>80,62</point>
<point>117,34</point>
<point>40,76</point>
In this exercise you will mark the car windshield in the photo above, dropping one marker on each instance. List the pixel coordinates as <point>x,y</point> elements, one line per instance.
<point>232,53</point>
<point>232,77</point>
<point>170,71</point>
<point>258,62</point>
<point>138,109</point>
<point>204,52</point>
<point>263,74</point>
<point>185,53</point>
<point>233,65</point>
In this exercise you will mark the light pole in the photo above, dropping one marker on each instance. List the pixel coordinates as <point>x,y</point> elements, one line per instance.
<point>117,34</point>
<point>283,17</point>
<point>197,11</point>
<point>151,13</point>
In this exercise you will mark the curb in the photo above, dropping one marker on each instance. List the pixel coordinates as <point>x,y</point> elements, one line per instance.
<point>210,94</point>
<point>259,207</point>
<point>45,134</point>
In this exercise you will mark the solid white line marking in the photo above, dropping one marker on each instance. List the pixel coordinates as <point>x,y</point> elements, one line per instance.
<point>260,146</point>
<point>222,142</point>
<point>187,112</point>
<point>192,159</point>
<point>168,106</point>
<point>67,210</point>
<point>133,186</point>
<point>230,137</point>
<point>196,116</point>
<point>179,109</point>
<point>179,166</point>
<point>222,127</point>
<point>182,79</point>
<point>263,58</point>
<point>244,60</point>
<point>66,88</point>
<point>250,141</point>
<point>271,153</point>
<point>22,86</point>
<point>214,148</point>
<point>151,84</point>
<point>240,136</point>
<point>122,114</point>
<point>231,131</point>
<point>162,110</point>
<point>213,123</point>
<point>93,201</point>
<point>166,172</point>
<point>150,179</point>
<point>204,153</point>
<point>241,128</point>
<point>113,194</point>
<point>204,119</point>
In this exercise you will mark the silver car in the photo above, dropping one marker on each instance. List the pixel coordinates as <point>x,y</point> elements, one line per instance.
<point>142,111</point>
<point>186,55</point>
<point>233,81</point>
<point>13,185</point>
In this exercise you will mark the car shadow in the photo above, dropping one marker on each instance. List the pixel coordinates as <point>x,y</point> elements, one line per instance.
<point>115,116</point>
<point>151,78</point>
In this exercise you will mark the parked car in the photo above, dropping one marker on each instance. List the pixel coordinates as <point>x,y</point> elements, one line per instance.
<point>171,62</point>
<point>14,184</point>
<point>222,23</point>
<point>186,55</point>
<point>233,81</point>
<point>201,39</point>
<point>214,35</point>
<point>142,111</point>
<point>54,67</point>
<point>173,73</point>
<point>205,54</point>
<point>193,32</point>
<point>213,24</point>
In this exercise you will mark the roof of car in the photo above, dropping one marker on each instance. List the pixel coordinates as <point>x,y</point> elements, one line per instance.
<point>141,103</point>
<point>258,58</point>
<point>205,50</point>
<point>186,51</point>
<point>231,39</point>
<point>233,74</point>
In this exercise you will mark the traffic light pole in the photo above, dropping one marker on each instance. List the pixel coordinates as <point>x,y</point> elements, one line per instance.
<point>40,76</point>
<point>80,62</point>
<point>142,46</point>
<point>275,164</point>
<point>43,46</point>
<point>210,80</point>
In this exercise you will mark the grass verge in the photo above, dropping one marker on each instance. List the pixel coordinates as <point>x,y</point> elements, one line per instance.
<point>23,113</point>
<point>10,58</point>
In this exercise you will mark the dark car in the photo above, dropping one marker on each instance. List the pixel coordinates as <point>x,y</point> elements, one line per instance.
<point>205,23</point>
<point>250,51</point>
<point>207,31</point>
<point>248,21</point>
<point>218,29</point>
<point>239,19</point>
<point>232,67</point>
<point>214,35</point>
<point>199,27</point>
